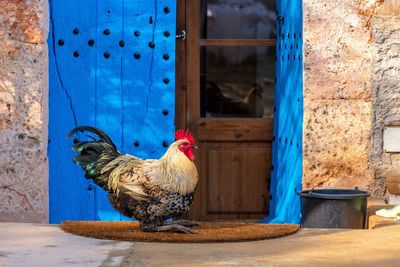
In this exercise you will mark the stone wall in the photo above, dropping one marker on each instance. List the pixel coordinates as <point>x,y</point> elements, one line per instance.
<point>338,85</point>
<point>23,110</point>
<point>386,89</point>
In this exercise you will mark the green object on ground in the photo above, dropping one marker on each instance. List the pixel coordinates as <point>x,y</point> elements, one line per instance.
<point>389,213</point>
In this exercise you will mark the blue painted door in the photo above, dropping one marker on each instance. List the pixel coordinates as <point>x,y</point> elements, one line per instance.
<point>286,176</point>
<point>111,65</point>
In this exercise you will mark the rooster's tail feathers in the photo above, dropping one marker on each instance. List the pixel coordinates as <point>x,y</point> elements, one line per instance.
<point>94,155</point>
<point>103,136</point>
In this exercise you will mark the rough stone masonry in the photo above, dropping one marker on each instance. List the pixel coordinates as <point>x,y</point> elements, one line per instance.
<point>351,84</point>
<point>351,91</point>
<point>386,91</point>
<point>23,110</point>
<point>337,93</point>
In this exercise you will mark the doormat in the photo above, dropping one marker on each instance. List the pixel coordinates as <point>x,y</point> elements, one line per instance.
<point>207,232</point>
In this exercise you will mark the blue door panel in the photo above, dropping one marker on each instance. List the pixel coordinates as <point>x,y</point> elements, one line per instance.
<point>288,118</point>
<point>69,107</point>
<point>111,66</point>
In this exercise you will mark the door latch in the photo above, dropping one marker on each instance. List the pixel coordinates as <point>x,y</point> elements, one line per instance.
<point>181,35</point>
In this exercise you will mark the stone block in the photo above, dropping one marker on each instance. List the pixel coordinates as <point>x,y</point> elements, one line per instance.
<point>393,180</point>
<point>23,186</point>
<point>385,25</point>
<point>23,21</point>
<point>337,50</point>
<point>376,221</point>
<point>336,144</point>
<point>393,188</point>
<point>393,174</point>
<point>389,8</point>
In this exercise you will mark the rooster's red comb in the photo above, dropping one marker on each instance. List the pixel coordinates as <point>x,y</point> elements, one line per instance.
<point>180,134</point>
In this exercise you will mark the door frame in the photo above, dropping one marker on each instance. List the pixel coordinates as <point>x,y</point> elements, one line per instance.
<point>180,73</point>
<point>182,112</point>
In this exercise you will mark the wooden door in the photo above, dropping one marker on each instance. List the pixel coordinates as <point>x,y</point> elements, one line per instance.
<point>225,86</point>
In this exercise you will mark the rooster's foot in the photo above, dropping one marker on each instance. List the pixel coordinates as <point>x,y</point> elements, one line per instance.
<point>175,227</point>
<point>185,223</point>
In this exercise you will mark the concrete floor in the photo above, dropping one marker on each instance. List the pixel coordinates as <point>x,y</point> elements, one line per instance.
<point>46,245</point>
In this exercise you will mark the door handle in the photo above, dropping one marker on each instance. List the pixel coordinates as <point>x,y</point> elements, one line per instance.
<point>181,35</point>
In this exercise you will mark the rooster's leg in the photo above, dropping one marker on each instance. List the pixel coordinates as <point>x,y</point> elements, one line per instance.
<point>176,228</point>
<point>185,223</point>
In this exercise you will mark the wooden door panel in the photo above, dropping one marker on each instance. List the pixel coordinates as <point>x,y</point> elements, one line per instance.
<point>236,177</point>
<point>221,108</point>
<point>235,129</point>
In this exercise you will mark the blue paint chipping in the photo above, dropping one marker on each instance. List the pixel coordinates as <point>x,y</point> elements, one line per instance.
<point>288,119</point>
<point>103,83</point>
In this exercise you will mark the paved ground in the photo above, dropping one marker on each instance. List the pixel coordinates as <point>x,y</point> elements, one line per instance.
<point>45,245</point>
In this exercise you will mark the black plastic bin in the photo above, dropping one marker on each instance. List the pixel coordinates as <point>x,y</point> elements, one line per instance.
<point>333,208</point>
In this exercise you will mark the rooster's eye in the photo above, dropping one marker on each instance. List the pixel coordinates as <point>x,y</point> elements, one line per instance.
<point>184,145</point>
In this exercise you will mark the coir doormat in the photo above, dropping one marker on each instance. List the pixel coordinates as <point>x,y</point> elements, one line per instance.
<point>206,231</point>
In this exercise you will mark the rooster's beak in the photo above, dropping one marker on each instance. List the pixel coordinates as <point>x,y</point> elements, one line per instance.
<point>195,147</point>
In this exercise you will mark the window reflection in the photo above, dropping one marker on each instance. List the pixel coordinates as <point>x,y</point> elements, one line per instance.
<point>238,19</point>
<point>237,81</point>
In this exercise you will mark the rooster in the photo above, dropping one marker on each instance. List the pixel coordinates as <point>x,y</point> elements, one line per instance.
<point>150,191</point>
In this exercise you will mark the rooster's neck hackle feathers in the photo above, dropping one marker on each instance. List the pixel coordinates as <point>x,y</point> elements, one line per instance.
<point>174,171</point>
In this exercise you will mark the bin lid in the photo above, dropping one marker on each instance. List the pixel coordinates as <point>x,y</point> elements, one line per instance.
<point>334,193</point>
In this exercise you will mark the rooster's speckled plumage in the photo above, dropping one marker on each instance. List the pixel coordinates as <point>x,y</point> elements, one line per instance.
<point>148,190</point>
